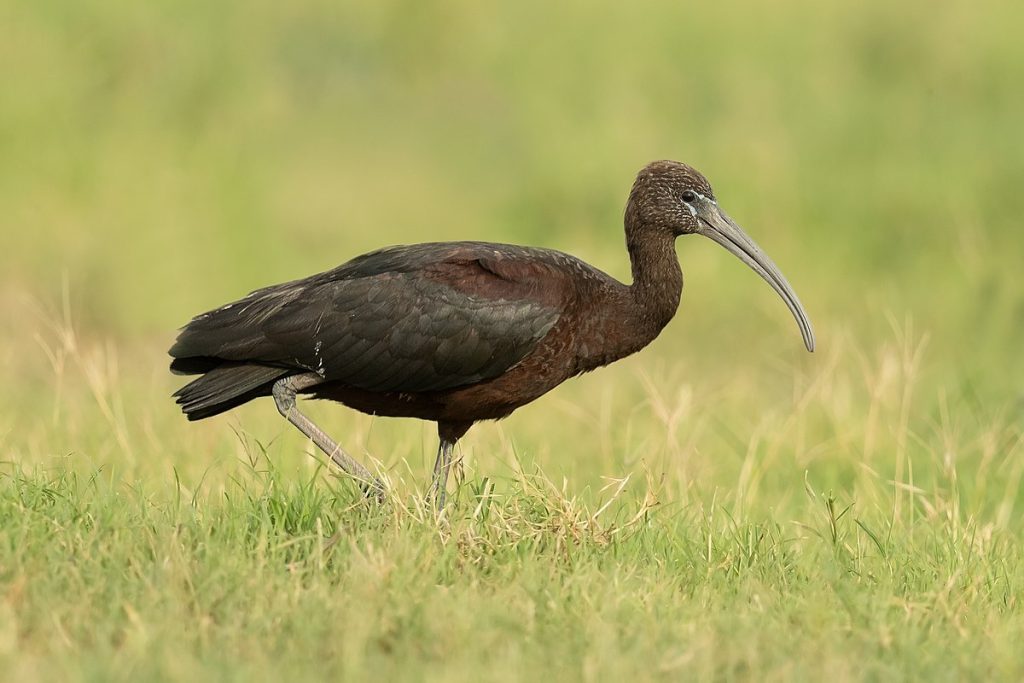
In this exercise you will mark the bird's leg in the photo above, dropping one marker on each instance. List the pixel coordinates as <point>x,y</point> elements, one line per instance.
<point>448,433</point>
<point>284,396</point>
<point>439,484</point>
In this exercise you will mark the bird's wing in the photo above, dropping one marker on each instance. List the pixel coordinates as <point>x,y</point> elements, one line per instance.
<point>386,324</point>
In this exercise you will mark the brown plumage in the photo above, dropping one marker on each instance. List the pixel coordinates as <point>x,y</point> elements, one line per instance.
<point>456,332</point>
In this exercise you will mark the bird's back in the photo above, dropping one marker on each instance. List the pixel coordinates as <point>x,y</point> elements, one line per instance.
<point>407,319</point>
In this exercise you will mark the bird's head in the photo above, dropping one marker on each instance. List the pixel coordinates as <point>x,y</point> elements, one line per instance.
<point>670,199</point>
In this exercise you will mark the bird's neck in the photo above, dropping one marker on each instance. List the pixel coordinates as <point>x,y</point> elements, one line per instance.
<point>633,315</point>
<point>638,312</point>
<point>657,281</point>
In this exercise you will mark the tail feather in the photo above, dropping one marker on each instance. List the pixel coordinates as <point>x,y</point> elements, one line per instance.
<point>195,365</point>
<point>226,386</point>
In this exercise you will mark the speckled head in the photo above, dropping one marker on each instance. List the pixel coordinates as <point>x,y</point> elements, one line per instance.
<point>670,199</point>
<point>663,195</point>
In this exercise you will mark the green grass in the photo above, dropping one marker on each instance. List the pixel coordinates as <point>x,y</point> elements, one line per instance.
<point>721,506</point>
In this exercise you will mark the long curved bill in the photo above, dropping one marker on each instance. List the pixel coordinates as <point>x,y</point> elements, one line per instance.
<point>722,229</point>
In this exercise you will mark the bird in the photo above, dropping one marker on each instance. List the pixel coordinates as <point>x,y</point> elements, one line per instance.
<point>456,332</point>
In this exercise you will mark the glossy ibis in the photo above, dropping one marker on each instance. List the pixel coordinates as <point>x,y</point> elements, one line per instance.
<point>456,332</point>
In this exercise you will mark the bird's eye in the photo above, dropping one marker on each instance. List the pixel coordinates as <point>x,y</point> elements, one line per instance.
<point>689,196</point>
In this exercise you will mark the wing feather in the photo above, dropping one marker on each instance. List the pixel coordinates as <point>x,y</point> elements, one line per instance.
<point>402,320</point>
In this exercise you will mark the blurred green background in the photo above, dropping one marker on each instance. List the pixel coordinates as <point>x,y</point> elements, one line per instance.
<point>161,158</point>
<point>168,156</point>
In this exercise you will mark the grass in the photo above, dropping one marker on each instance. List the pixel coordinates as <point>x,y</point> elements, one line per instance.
<point>721,506</point>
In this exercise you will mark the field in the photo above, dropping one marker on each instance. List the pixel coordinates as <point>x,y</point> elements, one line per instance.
<point>721,506</point>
